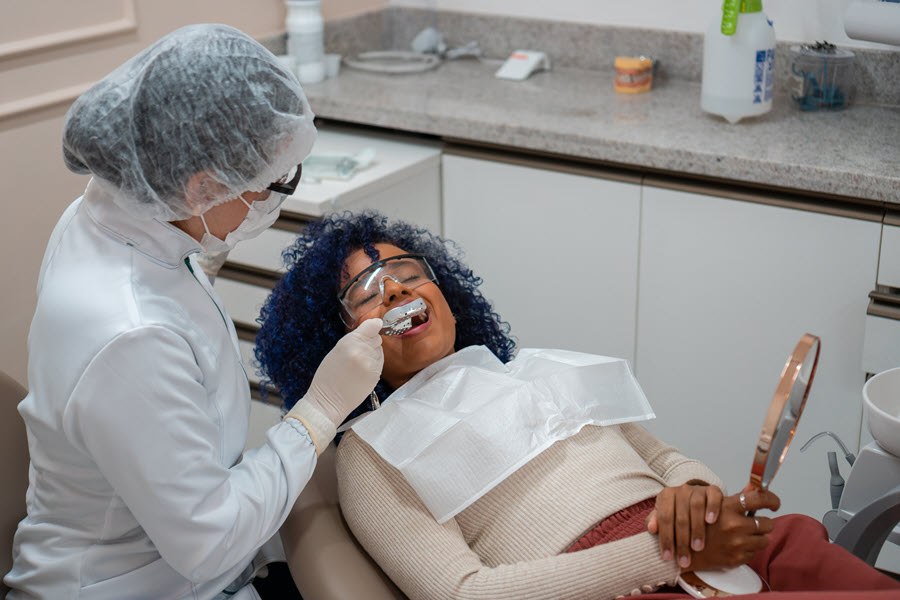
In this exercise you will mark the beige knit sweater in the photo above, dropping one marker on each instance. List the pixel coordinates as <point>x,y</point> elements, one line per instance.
<point>511,542</point>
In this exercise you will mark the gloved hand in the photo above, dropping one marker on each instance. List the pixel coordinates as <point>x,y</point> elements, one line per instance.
<point>346,376</point>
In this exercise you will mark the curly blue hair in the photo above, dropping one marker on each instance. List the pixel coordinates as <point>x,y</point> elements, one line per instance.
<point>300,322</point>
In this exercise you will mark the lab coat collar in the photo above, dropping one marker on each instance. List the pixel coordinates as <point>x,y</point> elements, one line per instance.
<point>158,240</point>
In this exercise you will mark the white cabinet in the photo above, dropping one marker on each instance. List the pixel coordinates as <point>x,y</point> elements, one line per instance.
<point>726,290</point>
<point>557,250</point>
<point>706,295</point>
<point>889,268</point>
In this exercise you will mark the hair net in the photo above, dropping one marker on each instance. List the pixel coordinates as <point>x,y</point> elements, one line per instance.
<point>205,99</point>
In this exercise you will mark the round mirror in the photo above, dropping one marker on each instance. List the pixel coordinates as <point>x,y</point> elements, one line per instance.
<point>777,433</point>
<point>785,410</point>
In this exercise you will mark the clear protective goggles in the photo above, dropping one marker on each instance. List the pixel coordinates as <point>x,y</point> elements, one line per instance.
<point>365,292</point>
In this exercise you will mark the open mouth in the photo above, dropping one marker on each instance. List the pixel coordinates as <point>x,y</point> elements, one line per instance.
<point>402,319</point>
<point>419,319</point>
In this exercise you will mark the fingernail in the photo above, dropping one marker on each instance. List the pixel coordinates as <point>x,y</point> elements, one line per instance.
<point>697,545</point>
<point>684,561</point>
<point>710,517</point>
<point>667,555</point>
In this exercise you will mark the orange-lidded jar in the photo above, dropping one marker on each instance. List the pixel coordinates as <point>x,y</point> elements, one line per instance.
<point>634,74</point>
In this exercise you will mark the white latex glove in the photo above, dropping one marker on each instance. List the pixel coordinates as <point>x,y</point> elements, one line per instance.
<point>347,375</point>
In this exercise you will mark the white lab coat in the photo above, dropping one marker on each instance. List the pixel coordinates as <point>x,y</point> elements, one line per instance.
<point>137,415</point>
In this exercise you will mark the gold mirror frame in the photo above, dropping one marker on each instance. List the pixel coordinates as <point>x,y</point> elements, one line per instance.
<point>807,349</point>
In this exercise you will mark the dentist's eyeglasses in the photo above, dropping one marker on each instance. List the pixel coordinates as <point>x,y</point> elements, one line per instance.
<point>287,185</point>
<point>365,292</point>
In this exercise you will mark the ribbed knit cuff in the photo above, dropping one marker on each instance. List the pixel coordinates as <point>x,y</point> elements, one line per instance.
<point>321,429</point>
<point>691,470</point>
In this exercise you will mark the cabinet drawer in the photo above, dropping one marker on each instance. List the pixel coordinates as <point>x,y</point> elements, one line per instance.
<point>264,251</point>
<point>889,262</point>
<point>882,345</point>
<point>242,301</point>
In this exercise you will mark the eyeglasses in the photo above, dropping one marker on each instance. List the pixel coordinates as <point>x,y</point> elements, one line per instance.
<point>287,185</point>
<point>365,292</point>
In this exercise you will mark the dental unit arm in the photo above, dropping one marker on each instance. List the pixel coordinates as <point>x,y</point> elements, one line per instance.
<point>865,508</point>
<point>836,482</point>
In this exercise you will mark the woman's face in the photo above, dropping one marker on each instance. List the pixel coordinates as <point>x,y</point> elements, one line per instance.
<point>406,354</point>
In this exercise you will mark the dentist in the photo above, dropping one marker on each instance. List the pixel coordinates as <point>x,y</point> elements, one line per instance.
<point>138,408</point>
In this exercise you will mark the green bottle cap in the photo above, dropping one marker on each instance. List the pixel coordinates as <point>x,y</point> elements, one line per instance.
<point>730,10</point>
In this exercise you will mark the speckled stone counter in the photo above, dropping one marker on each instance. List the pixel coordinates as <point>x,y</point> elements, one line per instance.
<point>853,153</point>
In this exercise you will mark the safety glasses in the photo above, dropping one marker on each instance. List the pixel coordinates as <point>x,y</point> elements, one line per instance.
<point>365,292</point>
<point>287,185</point>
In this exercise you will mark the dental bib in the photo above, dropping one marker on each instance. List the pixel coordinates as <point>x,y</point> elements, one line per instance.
<point>467,422</point>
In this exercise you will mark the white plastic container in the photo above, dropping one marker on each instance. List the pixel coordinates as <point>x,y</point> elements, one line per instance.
<point>739,69</point>
<point>305,39</point>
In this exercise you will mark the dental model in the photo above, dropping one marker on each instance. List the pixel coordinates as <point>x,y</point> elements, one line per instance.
<point>399,320</point>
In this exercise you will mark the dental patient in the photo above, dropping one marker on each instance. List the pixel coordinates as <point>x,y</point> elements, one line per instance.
<point>596,509</point>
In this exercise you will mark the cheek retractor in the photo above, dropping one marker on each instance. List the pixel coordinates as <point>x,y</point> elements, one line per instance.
<point>399,320</point>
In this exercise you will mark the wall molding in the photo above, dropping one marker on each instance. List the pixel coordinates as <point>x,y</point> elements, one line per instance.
<point>52,41</point>
<point>17,108</point>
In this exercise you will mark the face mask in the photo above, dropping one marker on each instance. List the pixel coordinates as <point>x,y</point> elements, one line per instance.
<point>261,216</point>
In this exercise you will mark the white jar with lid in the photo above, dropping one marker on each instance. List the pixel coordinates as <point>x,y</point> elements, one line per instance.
<point>305,39</point>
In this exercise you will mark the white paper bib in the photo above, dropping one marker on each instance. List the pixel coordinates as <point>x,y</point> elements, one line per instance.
<point>465,423</point>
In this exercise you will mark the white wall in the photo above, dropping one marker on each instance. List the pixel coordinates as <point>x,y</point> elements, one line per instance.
<point>795,20</point>
<point>337,9</point>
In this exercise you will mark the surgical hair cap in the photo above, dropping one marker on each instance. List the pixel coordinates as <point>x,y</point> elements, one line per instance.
<point>204,100</point>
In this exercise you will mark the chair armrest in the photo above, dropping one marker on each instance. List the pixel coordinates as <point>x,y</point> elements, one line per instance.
<point>864,534</point>
<point>326,562</point>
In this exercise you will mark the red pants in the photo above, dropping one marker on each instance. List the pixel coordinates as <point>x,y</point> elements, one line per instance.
<point>801,564</point>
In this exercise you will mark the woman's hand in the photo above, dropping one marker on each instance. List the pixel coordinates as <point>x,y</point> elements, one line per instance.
<point>681,517</point>
<point>734,538</point>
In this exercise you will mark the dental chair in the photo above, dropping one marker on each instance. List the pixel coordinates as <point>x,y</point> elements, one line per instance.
<point>14,450</point>
<point>326,561</point>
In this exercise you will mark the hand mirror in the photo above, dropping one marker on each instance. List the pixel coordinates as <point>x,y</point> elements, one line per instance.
<point>777,432</point>
<point>784,411</point>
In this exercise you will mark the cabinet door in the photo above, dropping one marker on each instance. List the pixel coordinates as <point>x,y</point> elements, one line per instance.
<point>726,290</point>
<point>557,251</point>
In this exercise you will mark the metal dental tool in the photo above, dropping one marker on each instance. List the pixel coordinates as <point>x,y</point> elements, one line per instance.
<point>399,320</point>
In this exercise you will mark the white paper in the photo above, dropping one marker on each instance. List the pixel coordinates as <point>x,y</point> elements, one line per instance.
<point>465,423</point>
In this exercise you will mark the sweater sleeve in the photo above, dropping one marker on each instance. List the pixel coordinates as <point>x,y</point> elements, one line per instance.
<point>432,561</point>
<point>666,461</point>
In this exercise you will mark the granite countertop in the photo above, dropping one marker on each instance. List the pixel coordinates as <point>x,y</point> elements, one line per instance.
<point>853,153</point>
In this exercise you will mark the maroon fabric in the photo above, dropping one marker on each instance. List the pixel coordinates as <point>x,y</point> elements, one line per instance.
<point>801,564</point>
<point>629,521</point>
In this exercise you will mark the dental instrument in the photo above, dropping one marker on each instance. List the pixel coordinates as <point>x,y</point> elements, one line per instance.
<point>399,320</point>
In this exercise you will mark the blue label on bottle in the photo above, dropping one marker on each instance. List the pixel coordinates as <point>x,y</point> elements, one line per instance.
<point>759,72</point>
<point>770,73</point>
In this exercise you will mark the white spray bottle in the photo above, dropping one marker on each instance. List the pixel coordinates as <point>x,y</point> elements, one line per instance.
<point>739,62</point>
